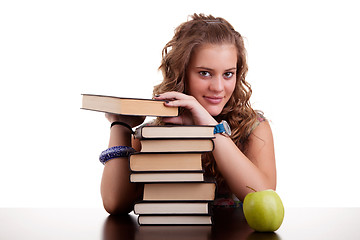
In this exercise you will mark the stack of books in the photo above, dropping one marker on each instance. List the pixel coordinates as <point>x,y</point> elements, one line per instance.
<point>169,163</point>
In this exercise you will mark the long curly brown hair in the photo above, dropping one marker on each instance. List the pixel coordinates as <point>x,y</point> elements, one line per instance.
<point>206,29</point>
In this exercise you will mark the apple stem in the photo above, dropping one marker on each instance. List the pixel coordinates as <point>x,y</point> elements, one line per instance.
<point>251,188</point>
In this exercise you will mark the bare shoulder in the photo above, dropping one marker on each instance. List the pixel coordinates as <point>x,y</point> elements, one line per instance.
<point>260,151</point>
<point>262,132</point>
<point>261,143</point>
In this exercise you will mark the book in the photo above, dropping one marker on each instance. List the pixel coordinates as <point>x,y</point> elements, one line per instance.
<point>179,191</point>
<point>165,161</point>
<point>195,176</point>
<point>176,145</point>
<point>173,207</point>
<point>174,131</point>
<point>175,220</point>
<point>127,106</point>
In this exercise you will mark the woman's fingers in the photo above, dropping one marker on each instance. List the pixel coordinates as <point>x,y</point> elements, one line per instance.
<point>172,96</point>
<point>197,114</point>
<point>176,99</point>
<point>188,104</point>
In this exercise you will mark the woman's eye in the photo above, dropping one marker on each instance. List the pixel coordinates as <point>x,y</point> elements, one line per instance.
<point>204,73</point>
<point>228,74</point>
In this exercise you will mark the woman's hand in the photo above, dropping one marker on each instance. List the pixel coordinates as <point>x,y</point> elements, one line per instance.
<point>194,113</point>
<point>133,121</point>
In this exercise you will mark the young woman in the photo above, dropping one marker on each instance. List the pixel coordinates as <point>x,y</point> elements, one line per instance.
<point>204,68</point>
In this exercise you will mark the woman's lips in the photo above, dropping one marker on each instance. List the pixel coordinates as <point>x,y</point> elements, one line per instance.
<point>213,100</point>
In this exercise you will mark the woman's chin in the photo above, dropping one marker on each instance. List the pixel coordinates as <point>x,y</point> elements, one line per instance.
<point>214,112</point>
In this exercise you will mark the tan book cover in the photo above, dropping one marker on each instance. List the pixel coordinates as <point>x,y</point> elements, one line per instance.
<point>174,131</point>
<point>177,145</point>
<point>179,191</point>
<point>165,161</point>
<point>127,106</point>
<point>167,176</point>
<point>180,207</point>
<point>175,220</point>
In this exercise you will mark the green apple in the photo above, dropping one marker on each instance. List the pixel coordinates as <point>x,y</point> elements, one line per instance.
<point>263,210</point>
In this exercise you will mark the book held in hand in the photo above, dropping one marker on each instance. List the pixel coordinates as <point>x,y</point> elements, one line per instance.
<point>127,106</point>
<point>174,131</point>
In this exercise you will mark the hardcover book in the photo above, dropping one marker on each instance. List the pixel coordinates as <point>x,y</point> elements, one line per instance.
<point>180,191</point>
<point>194,176</point>
<point>165,161</point>
<point>174,131</point>
<point>175,220</point>
<point>173,207</point>
<point>127,106</point>
<point>177,145</point>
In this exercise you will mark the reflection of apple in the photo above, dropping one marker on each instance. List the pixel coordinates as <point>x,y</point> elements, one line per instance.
<point>263,236</point>
<point>263,210</point>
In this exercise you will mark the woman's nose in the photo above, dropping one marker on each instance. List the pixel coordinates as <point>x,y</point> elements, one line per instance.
<point>217,84</point>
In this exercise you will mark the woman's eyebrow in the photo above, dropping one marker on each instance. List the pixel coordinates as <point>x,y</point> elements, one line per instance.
<point>204,68</point>
<point>210,69</point>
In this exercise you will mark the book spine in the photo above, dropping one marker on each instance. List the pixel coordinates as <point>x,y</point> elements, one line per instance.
<point>172,159</point>
<point>171,176</point>
<point>167,134</point>
<point>209,206</point>
<point>143,141</point>
<point>190,186</point>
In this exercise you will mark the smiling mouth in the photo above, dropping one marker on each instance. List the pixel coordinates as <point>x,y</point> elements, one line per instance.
<point>213,100</point>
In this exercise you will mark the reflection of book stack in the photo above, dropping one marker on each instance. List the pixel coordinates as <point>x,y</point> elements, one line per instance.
<point>174,232</point>
<point>169,165</point>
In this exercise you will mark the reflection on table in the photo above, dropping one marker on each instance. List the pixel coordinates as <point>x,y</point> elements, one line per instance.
<point>95,224</point>
<point>229,223</point>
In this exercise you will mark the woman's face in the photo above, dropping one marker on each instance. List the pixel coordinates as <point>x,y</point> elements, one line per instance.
<point>211,75</point>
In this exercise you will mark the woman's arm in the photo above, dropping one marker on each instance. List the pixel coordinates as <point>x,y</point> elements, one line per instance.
<point>254,168</point>
<point>117,193</point>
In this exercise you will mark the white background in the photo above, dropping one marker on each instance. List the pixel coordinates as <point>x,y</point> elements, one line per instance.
<point>303,67</point>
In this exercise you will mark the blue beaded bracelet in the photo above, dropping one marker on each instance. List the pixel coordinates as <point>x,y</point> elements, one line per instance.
<point>115,152</point>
